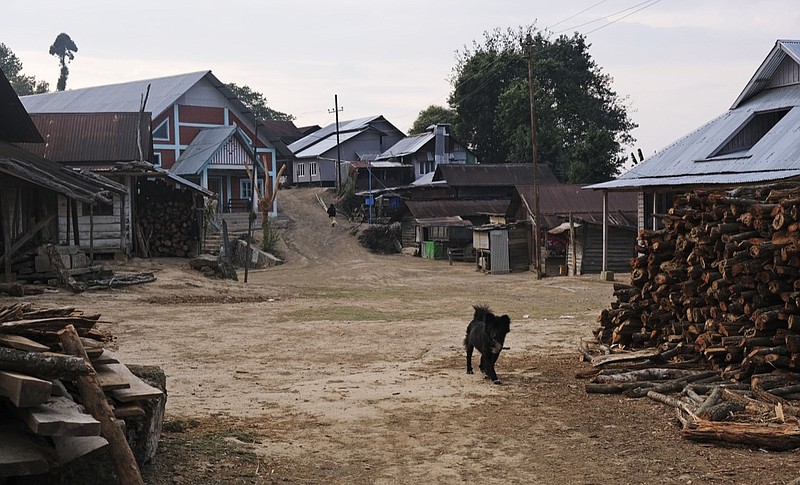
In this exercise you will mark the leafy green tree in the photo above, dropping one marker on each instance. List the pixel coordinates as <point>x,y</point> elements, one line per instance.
<point>582,123</point>
<point>431,115</point>
<point>63,48</point>
<point>12,68</point>
<point>258,103</point>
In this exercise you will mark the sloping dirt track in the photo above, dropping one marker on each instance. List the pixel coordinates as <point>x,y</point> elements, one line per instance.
<point>346,367</point>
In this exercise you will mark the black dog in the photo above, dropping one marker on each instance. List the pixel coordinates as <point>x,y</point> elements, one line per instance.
<point>486,332</point>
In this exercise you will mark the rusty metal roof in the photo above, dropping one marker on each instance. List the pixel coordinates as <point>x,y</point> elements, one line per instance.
<point>15,124</point>
<point>559,200</point>
<point>426,209</point>
<point>443,221</point>
<point>92,137</point>
<point>486,174</point>
<point>84,187</point>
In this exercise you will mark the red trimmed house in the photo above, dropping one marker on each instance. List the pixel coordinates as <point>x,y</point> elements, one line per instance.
<point>183,108</point>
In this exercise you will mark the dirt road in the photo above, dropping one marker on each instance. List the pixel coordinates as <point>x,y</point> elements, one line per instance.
<point>346,367</point>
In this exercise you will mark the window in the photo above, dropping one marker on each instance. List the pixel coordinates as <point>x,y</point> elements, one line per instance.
<point>157,159</point>
<point>312,168</point>
<point>162,131</point>
<point>750,134</point>
<point>301,170</point>
<point>246,188</point>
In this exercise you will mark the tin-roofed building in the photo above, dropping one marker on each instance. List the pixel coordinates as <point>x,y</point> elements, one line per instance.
<point>323,152</point>
<point>756,141</point>
<point>182,107</point>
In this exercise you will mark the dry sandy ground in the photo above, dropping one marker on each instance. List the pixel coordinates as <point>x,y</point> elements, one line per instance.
<point>346,367</point>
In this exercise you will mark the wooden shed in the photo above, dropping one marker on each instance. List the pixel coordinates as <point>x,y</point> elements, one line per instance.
<point>584,248</point>
<point>502,248</point>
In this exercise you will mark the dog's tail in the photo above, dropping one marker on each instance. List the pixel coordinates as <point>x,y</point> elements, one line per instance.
<point>480,312</point>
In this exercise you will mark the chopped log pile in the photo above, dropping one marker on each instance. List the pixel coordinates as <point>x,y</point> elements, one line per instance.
<point>169,221</point>
<point>717,288</point>
<point>53,366</point>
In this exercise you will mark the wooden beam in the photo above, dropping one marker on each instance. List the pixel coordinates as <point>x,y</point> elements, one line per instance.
<point>138,390</point>
<point>22,343</point>
<point>59,416</point>
<point>42,364</point>
<point>24,390</point>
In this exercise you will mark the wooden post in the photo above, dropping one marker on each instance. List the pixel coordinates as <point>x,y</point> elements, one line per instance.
<point>91,233</point>
<point>95,402</point>
<point>5,221</point>
<point>75,229</point>
<point>572,245</point>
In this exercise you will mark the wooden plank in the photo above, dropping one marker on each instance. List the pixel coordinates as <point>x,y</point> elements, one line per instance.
<point>22,343</point>
<point>139,389</point>
<point>109,379</point>
<point>70,447</point>
<point>127,410</point>
<point>626,357</point>
<point>59,416</point>
<point>106,357</point>
<point>20,454</point>
<point>24,390</point>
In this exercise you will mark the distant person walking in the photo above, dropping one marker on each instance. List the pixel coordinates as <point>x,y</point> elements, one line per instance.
<point>332,214</point>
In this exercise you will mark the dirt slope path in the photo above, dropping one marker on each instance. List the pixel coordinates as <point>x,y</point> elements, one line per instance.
<point>310,239</point>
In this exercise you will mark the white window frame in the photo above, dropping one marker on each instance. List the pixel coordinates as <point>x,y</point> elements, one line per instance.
<point>312,169</point>
<point>301,170</point>
<point>163,124</point>
<point>246,188</point>
<point>157,159</point>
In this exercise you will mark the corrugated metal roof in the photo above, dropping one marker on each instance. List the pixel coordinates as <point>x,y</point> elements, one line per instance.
<point>358,125</point>
<point>723,179</point>
<point>507,174</point>
<point>202,149</point>
<point>691,161</point>
<point>407,146</point>
<point>164,92</point>
<point>561,199</point>
<point>323,145</point>
<point>422,209</point>
<point>127,97</point>
<point>443,221</point>
<point>764,73</point>
<point>15,124</point>
<point>84,187</point>
<point>91,137</point>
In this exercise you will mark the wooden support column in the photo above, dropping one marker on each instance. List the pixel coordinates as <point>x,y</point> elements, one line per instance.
<point>5,222</point>
<point>75,229</point>
<point>605,231</point>
<point>91,233</point>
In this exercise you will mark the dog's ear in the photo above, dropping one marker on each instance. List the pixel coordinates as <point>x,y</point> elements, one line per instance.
<point>505,323</point>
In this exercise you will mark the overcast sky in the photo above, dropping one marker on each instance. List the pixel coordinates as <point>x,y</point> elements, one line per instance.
<point>678,63</point>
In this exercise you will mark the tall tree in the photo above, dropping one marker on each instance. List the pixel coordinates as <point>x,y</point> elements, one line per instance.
<point>258,103</point>
<point>12,67</point>
<point>63,48</point>
<point>581,122</point>
<point>430,116</point>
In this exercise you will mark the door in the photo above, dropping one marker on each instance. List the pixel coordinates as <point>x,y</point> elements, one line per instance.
<point>215,185</point>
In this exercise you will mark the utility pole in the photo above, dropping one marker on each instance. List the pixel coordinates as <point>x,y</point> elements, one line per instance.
<point>537,250</point>
<point>336,110</point>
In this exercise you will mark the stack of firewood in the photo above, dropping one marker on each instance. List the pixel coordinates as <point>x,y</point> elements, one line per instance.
<point>712,312</point>
<point>61,391</point>
<point>167,221</point>
<point>720,280</point>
